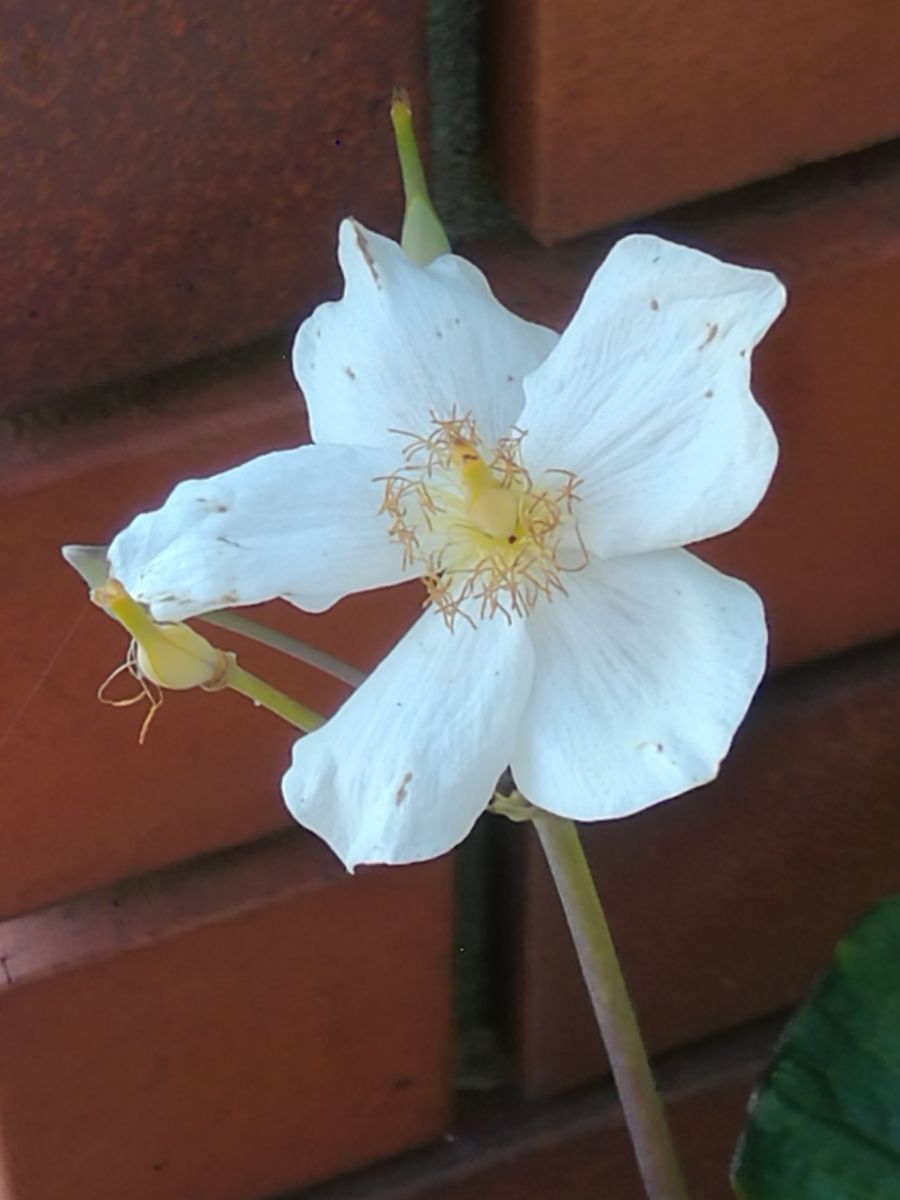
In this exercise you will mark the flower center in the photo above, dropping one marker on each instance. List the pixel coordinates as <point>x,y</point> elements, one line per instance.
<point>482,529</point>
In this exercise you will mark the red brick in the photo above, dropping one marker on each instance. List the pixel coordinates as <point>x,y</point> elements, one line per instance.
<point>577,1146</point>
<point>603,111</point>
<point>174,173</point>
<point>251,1023</point>
<point>726,902</point>
<point>83,803</point>
<point>822,548</point>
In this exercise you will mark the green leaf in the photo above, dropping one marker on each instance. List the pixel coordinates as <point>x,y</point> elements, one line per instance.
<point>825,1122</point>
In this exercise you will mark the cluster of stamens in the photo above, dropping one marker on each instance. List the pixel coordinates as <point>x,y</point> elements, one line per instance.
<point>488,537</point>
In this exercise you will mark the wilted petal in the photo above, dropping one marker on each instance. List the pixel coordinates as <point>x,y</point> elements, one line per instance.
<point>647,398</point>
<point>405,767</point>
<point>642,675</point>
<point>407,340</point>
<point>303,524</point>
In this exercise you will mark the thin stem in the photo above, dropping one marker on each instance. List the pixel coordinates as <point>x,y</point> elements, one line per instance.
<point>640,1100</point>
<point>303,651</point>
<point>270,697</point>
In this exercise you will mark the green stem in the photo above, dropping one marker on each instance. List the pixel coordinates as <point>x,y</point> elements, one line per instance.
<point>235,622</point>
<point>270,697</point>
<point>640,1100</point>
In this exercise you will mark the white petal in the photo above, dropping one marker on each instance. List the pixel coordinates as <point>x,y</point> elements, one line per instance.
<point>405,767</point>
<point>407,340</point>
<point>303,524</point>
<point>647,398</point>
<point>642,676</point>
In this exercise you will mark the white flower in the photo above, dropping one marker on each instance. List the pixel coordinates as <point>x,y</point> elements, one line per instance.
<point>545,487</point>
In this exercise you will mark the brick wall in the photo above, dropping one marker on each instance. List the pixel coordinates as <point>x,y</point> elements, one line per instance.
<point>195,1000</point>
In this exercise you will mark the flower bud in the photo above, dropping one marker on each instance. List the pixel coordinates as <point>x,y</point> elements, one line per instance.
<point>423,236</point>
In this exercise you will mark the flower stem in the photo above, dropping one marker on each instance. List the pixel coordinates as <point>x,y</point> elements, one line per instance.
<point>270,697</point>
<point>236,622</point>
<point>640,1100</point>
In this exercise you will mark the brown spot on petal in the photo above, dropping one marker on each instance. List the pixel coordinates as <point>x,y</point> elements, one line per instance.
<point>654,304</point>
<point>713,330</point>
<point>708,393</point>
<point>401,790</point>
<point>367,255</point>
<point>349,372</point>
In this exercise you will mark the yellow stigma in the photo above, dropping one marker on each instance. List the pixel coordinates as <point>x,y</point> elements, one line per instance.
<point>494,509</point>
<point>482,529</point>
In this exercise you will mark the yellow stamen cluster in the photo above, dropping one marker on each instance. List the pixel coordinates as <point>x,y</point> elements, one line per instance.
<point>489,538</point>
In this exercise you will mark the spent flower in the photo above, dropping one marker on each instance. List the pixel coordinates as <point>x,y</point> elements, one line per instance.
<point>160,656</point>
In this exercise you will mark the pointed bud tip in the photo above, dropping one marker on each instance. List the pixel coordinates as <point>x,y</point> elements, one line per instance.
<point>89,561</point>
